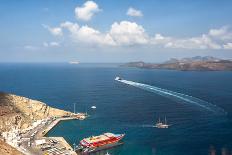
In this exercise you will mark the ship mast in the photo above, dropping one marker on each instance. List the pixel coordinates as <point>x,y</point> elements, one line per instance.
<point>74,108</point>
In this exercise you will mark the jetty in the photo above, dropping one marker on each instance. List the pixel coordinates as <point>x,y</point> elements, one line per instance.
<point>37,143</point>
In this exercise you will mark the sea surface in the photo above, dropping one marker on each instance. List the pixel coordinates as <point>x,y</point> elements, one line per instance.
<point>123,108</point>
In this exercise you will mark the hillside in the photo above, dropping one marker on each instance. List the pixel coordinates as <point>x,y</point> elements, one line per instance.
<point>187,64</point>
<point>20,112</point>
<point>6,149</point>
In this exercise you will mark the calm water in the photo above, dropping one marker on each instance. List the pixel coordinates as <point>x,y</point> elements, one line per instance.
<point>125,109</point>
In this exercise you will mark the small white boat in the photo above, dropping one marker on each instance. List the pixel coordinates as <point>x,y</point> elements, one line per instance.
<point>93,107</point>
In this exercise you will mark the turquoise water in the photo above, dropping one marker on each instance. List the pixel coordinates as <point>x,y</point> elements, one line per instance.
<point>126,109</point>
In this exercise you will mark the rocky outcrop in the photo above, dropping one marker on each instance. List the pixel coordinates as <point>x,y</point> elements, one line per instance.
<point>20,112</point>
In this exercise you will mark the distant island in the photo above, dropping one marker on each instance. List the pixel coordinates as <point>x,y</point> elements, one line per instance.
<point>197,63</point>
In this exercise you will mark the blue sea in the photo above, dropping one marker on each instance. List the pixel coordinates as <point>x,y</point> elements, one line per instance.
<point>127,109</point>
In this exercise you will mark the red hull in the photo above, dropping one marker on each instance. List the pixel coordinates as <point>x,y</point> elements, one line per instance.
<point>100,143</point>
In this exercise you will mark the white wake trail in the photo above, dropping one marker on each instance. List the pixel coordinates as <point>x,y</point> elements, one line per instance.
<point>177,96</point>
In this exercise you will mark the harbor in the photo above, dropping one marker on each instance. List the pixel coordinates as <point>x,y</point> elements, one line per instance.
<point>33,141</point>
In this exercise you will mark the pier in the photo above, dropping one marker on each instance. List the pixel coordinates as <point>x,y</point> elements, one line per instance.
<point>35,142</point>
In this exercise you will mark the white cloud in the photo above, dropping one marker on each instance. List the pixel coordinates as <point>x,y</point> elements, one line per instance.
<point>202,42</point>
<point>72,27</point>
<point>51,44</point>
<point>87,34</point>
<point>123,33</point>
<point>30,47</point>
<point>86,11</point>
<point>228,46</point>
<point>222,33</point>
<point>160,39</point>
<point>134,12</point>
<point>56,31</point>
<point>128,33</point>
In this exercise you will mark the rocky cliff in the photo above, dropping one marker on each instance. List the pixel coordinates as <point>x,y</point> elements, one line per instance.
<point>20,112</point>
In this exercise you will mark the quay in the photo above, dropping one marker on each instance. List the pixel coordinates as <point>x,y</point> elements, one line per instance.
<point>33,141</point>
<point>54,123</point>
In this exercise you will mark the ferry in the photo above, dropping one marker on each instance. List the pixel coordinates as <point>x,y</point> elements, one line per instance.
<point>74,62</point>
<point>162,125</point>
<point>98,143</point>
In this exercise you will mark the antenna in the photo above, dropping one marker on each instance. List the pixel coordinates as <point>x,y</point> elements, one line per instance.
<point>86,109</point>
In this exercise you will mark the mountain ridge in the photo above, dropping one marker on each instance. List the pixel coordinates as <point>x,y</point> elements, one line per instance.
<point>197,63</point>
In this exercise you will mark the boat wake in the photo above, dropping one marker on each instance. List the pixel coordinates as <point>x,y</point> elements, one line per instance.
<point>179,97</point>
<point>148,126</point>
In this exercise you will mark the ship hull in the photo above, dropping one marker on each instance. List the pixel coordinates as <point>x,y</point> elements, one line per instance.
<point>98,149</point>
<point>87,148</point>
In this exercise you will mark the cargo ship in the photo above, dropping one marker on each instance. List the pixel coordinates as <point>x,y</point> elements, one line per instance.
<point>98,143</point>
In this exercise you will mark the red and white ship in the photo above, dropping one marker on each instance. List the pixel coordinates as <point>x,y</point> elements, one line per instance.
<point>97,143</point>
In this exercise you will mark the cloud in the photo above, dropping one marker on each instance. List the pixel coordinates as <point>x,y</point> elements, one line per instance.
<point>122,33</point>
<point>51,44</point>
<point>86,34</point>
<point>228,46</point>
<point>86,11</point>
<point>30,47</point>
<point>128,33</point>
<point>222,33</point>
<point>134,12</point>
<point>202,42</point>
<point>56,31</point>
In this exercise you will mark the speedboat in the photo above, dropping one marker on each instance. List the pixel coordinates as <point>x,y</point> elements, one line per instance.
<point>118,78</point>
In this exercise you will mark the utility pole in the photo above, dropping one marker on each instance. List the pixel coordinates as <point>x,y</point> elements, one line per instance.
<point>74,147</point>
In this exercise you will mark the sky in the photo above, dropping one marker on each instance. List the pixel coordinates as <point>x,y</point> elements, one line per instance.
<point>114,30</point>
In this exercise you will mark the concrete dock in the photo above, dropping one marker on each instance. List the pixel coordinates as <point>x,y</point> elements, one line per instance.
<point>49,145</point>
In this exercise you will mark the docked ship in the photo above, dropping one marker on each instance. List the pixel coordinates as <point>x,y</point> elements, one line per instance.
<point>98,143</point>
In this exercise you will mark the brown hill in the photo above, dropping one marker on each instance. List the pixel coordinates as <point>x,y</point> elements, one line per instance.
<point>6,149</point>
<point>20,112</point>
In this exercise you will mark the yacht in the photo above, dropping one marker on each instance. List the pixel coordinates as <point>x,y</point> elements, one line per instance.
<point>161,124</point>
